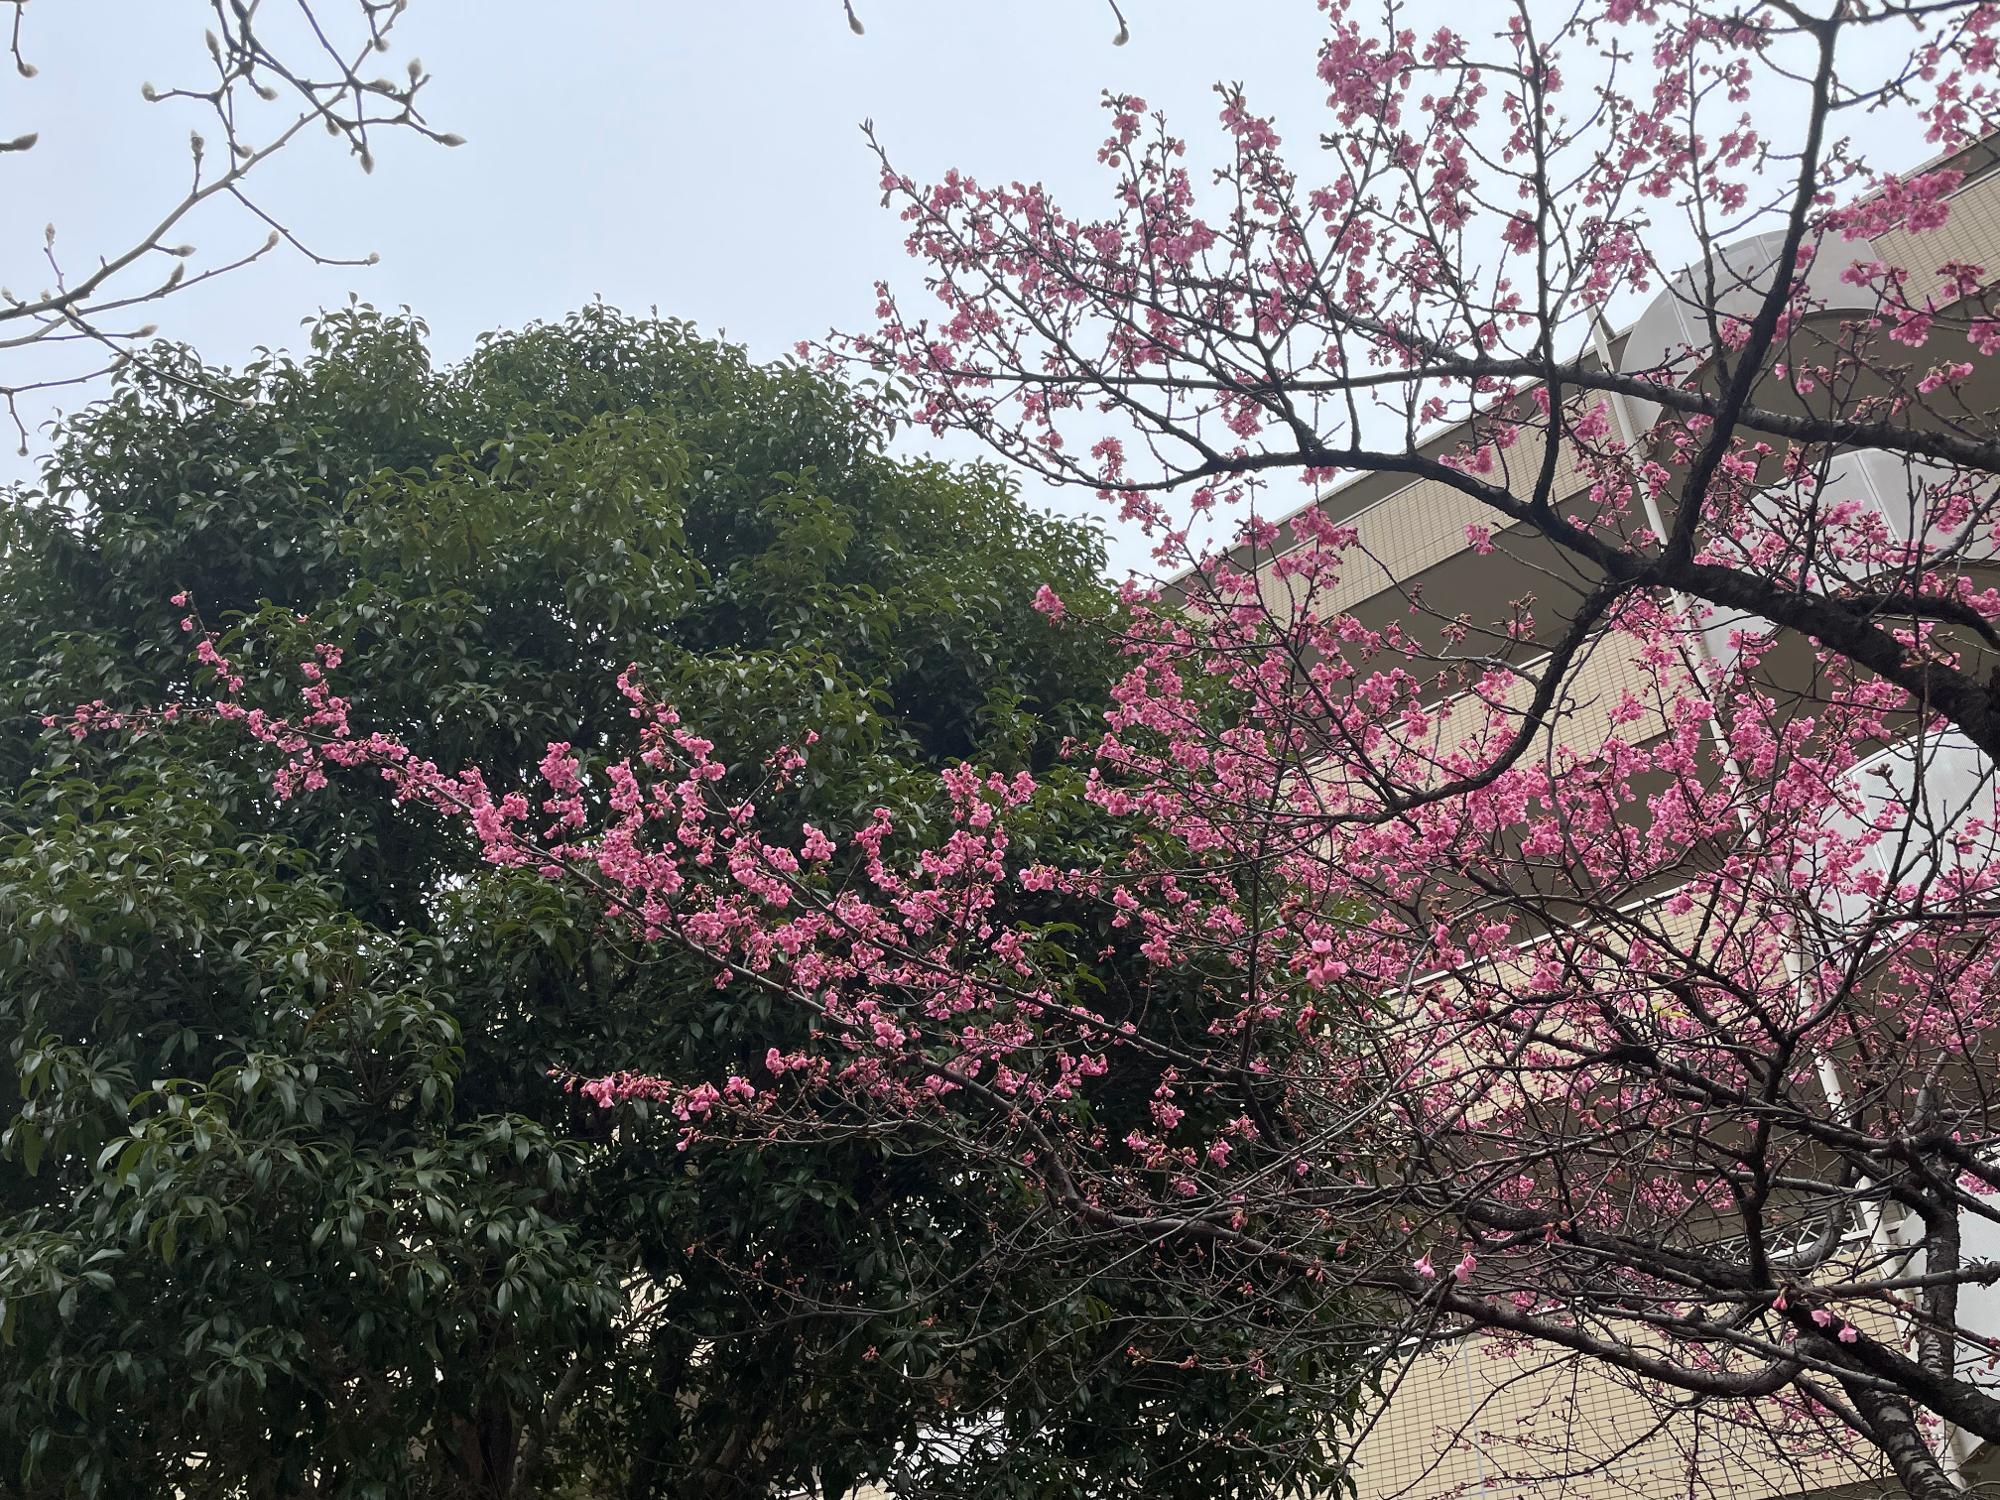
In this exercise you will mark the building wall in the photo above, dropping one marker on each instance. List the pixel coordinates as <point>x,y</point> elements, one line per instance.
<point>1484,1417</point>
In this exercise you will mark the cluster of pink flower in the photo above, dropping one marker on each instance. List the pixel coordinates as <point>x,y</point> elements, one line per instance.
<point>1426,950</point>
<point>1559,931</point>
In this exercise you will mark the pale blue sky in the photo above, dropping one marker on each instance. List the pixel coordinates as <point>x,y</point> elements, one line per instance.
<point>703,158</point>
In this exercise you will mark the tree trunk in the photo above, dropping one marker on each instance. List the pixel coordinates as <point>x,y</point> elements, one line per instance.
<point>1896,1433</point>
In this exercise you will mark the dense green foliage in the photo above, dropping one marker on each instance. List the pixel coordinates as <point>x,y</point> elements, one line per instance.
<point>290,1201</point>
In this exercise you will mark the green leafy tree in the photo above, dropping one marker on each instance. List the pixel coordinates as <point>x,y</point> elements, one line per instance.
<point>296,1200</point>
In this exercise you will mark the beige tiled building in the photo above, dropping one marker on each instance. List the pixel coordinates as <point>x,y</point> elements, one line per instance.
<point>1479,1419</point>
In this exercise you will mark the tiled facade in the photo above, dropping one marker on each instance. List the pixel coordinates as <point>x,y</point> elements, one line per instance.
<point>1482,1419</point>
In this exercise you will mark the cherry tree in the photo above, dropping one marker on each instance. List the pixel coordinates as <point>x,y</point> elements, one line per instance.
<point>1594,927</point>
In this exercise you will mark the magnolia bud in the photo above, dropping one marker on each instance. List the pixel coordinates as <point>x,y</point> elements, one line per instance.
<point>271,241</point>
<point>451,138</point>
<point>367,160</point>
<point>374,258</point>
<point>147,332</point>
<point>853,21</point>
<point>150,94</point>
<point>26,70</point>
<point>416,68</point>
<point>265,91</point>
<point>181,250</point>
<point>48,234</point>
<point>21,142</point>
